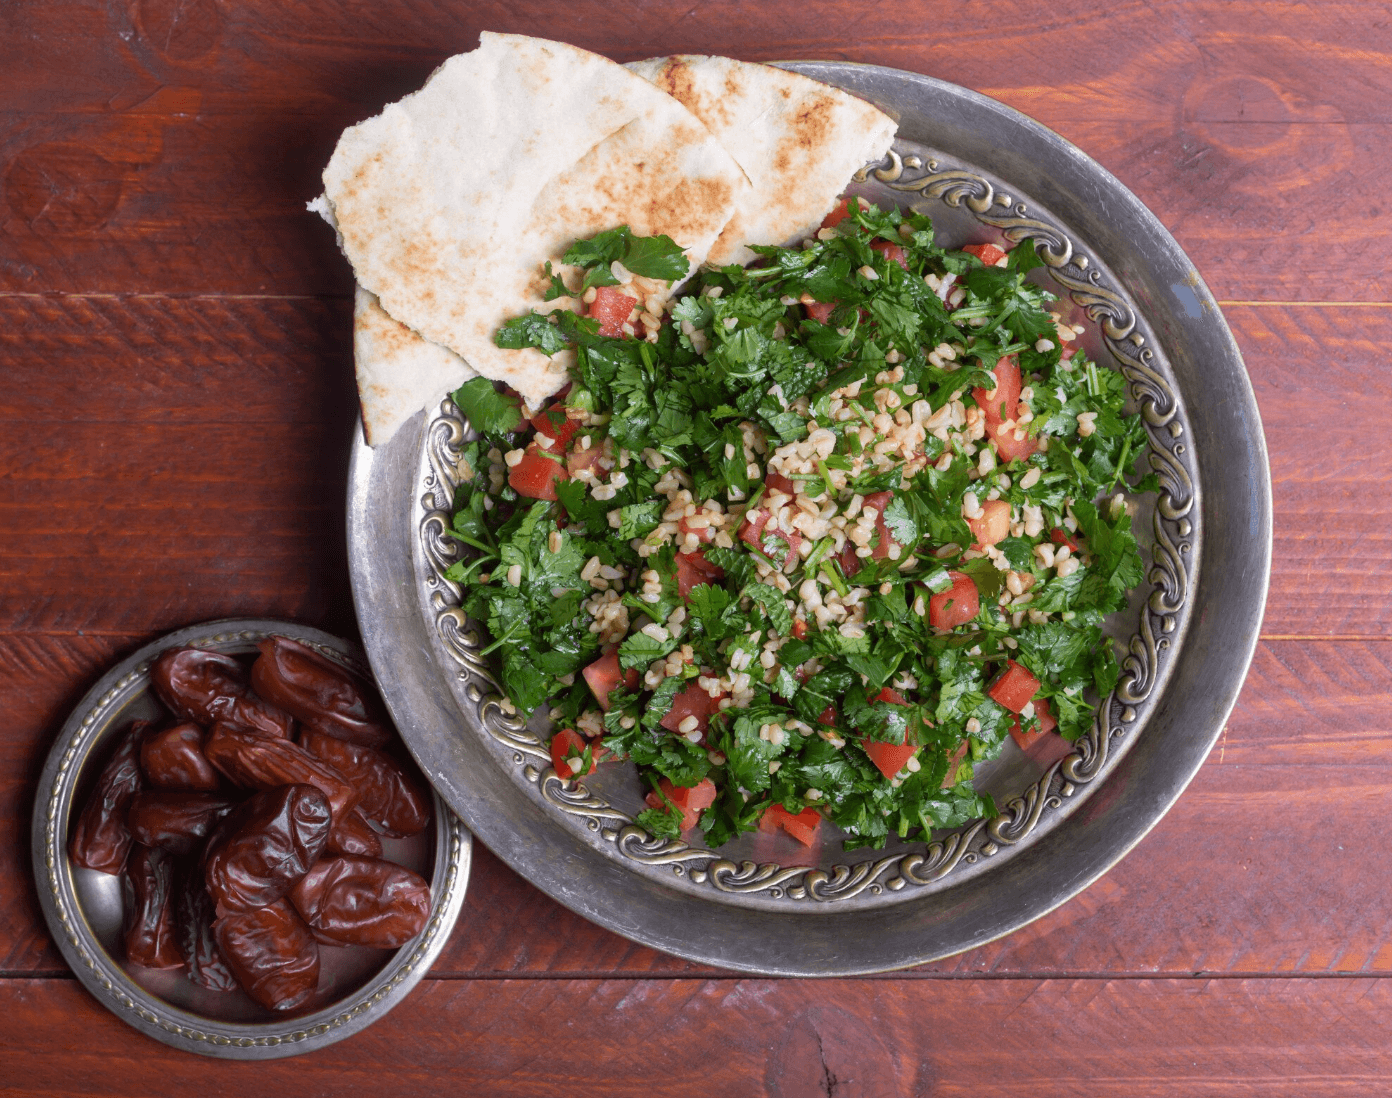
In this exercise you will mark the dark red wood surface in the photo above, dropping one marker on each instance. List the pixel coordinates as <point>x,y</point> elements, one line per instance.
<point>176,407</point>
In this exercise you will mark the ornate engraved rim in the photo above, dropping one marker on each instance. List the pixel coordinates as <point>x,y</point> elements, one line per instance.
<point>1147,652</point>
<point>106,979</point>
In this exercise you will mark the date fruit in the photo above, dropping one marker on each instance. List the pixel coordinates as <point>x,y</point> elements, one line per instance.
<point>272,953</point>
<point>101,839</point>
<point>387,796</point>
<point>318,692</point>
<point>262,762</point>
<point>173,758</point>
<point>352,834</point>
<point>193,929</point>
<point>362,901</point>
<point>174,820</point>
<point>205,686</point>
<point>265,846</point>
<point>147,890</point>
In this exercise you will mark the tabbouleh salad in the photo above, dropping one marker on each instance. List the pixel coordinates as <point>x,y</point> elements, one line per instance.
<point>810,542</point>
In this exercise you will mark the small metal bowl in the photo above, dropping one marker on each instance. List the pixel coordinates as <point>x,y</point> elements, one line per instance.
<point>357,986</point>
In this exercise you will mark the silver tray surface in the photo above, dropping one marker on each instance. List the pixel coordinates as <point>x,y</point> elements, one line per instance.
<point>981,171</point>
<point>83,907</point>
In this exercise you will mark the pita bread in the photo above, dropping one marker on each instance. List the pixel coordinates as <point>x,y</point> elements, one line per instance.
<point>449,203</point>
<point>399,373</point>
<point>798,141</point>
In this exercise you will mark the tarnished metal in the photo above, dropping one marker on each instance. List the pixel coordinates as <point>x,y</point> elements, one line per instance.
<point>972,165</point>
<point>83,907</point>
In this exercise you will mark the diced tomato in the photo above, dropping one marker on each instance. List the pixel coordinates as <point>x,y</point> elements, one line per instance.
<point>691,801</point>
<point>802,827</point>
<point>577,461</point>
<point>754,530</point>
<point>880,501</point>
<point>612,309</point>
<point>568,744</point>
<point>693,570</point>
<point>703,533</point>
<point>850,563</point>
<point>839,213</point>
<point>1060,537</point>
<point>799,628</point>
<point>557,424</point>
<point>1015,687</point>
<point>889,694</point>
<point>1008,446</point>
<point>953,762</point>
<point>536,474</point>
<point>992,525</point>
<point>989,254</point>
<point>778,482</point>
<point>889,758</point>
<point>691,702</point>
<point>605,675</point>
<point>828,716</point>
<point>999,403</point>
<point>955,606</point>
<point>820,311</point>
<point>892,252</point>
<point>1047,723</point>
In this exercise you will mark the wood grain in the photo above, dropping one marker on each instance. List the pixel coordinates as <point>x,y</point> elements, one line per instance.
<point>197,448</point>
<point>1260,867</point>
<point>872,1038</point>
<point>164,152</point>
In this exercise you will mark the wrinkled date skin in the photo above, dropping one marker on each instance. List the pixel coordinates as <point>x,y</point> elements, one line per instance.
<point>101,839</point>
<point>352,834</point>
<point>362,901</point>
<point>272,954</point>
<point>265,846</point>
<point>318,692</point>
<point>174,820</point>
<point>193,930</point>
<point>147,889</point>
<point>206,687</point>
<point>387,795</point>
<point>263,762</point>
<point>173,758</point>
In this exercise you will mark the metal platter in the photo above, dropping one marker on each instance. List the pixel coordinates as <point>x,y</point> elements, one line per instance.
<point>83,907</point>
<point>981,171</point>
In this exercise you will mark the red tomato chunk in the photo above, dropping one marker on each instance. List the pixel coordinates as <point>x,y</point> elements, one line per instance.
<point>1047,723</point>
<point>821,311</point>
<point>955,606</point>
<point>992,525</point>
<point>1009,446</point>
<point>754,532</point>
<point>999,404</point>
<point>892,252</point>
<point>889,758</point>
<point>989,254</point>
<point>557,424</point>
<point>802,827</point>
<point>612,309</point>
<point>1015,687</point>
<point>536,474</point>
<point>693,570</point>
<point>604,676</point>
<point>690,801</point>
<point>567,744</point>
<point>880,501</point>
<point>691,702</point>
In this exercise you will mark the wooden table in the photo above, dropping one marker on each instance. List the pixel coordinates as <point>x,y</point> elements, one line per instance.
<point>176,405</point>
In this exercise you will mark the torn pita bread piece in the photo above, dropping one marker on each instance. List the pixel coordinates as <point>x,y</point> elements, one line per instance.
<point>450,202</point>
<point>798,141</point>
<point>399,373</point>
